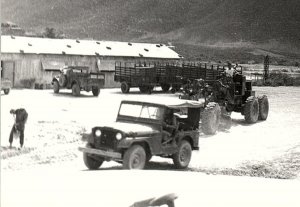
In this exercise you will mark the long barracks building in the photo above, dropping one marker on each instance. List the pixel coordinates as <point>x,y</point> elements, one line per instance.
<point>37,60</point>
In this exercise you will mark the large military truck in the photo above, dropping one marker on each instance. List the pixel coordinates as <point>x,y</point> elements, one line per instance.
<point>226,91</point>
<point>146,76</point>
<point>78,78</point>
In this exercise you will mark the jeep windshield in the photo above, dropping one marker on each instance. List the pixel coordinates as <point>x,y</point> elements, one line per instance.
<point>143,111</point>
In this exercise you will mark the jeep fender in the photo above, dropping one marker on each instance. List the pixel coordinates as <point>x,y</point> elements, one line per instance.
<point>127,143</point>
<point>193,142</point>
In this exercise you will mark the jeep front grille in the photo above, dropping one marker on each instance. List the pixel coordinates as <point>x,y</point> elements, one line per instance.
<point>107,140</point>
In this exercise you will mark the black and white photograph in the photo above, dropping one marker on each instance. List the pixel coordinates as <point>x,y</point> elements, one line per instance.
<point>140,103</point>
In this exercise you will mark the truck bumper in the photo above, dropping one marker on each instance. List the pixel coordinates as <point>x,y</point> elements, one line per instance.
<point>114,155</point>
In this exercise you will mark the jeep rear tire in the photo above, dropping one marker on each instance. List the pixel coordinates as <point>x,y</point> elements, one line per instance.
<point>134,158</point>
<point>182,158</point>
<point>96,91</point>
<point>75,89</point>
<point>6,91</point>
<point>125,87</point>
<point>90,162</point>
<point>210,118</point>
<point>251,110</point>
<point>263,103</point>
<point>55,87</point>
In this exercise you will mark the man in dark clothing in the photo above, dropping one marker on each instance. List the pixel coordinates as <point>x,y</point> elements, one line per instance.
<point>19,126</point>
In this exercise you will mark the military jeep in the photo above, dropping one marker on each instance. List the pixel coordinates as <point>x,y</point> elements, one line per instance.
<point>5,85</point>
<point>78,78</point>
<point>166,128</point>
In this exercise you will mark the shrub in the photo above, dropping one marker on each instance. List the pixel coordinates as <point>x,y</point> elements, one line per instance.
<point>28,83</point>
<point>282,79</point>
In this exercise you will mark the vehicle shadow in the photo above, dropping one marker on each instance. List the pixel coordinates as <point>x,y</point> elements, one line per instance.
<point>149,166</point>
<point>66,94</point>
<point>242,122</point>
<point>138,92</point>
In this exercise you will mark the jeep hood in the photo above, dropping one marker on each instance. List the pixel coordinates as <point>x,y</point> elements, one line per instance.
<point>129,128</point>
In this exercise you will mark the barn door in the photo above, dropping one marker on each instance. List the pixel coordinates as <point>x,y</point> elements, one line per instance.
<point>8,70</point>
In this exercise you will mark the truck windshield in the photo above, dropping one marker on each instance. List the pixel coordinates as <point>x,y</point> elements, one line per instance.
<point>141,111</point>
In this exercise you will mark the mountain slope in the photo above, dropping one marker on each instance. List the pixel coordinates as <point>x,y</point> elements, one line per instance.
<point>267,24</point>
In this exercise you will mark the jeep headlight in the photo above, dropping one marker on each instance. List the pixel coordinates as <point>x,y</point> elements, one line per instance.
<point>98,132</point>
<point>118,136</point>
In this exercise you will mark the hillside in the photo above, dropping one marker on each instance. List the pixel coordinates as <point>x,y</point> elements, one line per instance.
<point>254,23</point>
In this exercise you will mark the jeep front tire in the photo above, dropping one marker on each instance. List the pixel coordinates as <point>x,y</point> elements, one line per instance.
<point>90,162</point>
<point>182,158</point>
<point>134,158</point>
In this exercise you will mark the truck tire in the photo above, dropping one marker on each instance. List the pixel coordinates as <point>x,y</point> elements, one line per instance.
<point>182,158</point>
<point>90,162</point>
<point>62,80</point>
<point>55,87</point>
<point>75,89</point>
<point>134,158</point>
<point>263,103</point>
<point>6,91</point>
<point>96,91</point>
<point>251,110</point>
<point>210,118</point>
<point>165,87</point>
<point>143,89</point>
<point>175,88</point>
<point>125,87</point>
<point>225,121</point>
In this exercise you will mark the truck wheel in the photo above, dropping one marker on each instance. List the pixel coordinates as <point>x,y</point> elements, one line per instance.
<point>90,162</point>
<point>6,91</point>
<point>263,103</point>
<point>56,87</point>
<point>182,158</point>
<point>63,80</point>
<point>143,89</point>
<point>96,91</point>
<point>225,122</point>
<point>75,89</point>
<point>165,87</point>
<point>125,87</point>
<point>134,158</point>
<point>225,119</point>
<point>211,118</point>
<point>251,110</point>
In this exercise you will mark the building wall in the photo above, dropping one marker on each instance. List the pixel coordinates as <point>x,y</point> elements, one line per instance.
<point>29,67</point>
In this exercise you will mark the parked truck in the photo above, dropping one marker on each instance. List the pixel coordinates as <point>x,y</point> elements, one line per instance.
<point>78,78</point>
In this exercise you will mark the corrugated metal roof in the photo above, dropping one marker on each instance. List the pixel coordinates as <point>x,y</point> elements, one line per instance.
<point>33,45</point>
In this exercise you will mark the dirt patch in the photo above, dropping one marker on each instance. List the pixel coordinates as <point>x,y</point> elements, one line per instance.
<point>284,167</point>
<point>7,152</point>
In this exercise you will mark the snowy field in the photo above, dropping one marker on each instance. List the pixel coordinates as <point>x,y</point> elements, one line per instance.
<point>50,163</point>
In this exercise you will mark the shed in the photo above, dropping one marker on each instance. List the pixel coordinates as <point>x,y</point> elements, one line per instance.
<point>29,60</point>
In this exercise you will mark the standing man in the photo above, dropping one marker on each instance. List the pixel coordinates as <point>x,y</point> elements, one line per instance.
<point>20,116</point>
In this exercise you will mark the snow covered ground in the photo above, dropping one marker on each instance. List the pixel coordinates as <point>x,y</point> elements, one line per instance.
<point>50,166</point>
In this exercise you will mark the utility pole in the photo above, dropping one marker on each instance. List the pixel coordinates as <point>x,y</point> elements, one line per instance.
<point>266,67</point>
